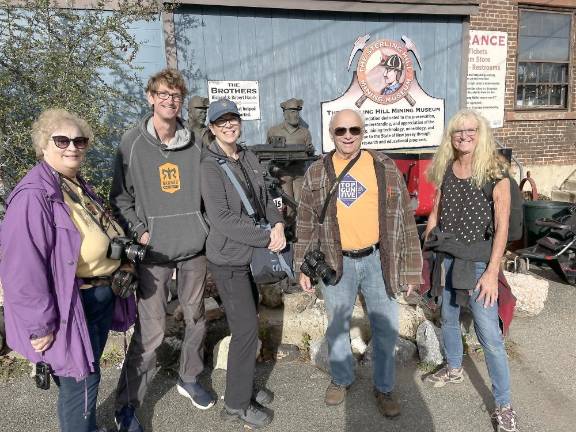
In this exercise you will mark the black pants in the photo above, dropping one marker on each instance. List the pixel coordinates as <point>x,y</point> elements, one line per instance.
<point>239,296</point>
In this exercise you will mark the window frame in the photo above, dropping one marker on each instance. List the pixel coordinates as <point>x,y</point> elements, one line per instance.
<point>570,83</point>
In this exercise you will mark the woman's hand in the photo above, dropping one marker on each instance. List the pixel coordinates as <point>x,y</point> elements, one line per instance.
<point>488,286</point>
<point>277,239</point>
<point>43,343</point>
<point>306,284</point>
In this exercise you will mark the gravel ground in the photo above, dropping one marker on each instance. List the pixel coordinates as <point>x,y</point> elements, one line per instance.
<point>542,359</point>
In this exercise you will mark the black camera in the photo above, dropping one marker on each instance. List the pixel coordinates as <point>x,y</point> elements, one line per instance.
<point>125,248</point>
<point>315,267</point>
<point>124,283</point>
<point>42,377</point>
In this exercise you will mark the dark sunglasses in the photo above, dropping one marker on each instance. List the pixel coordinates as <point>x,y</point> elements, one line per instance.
<point>62,142</point>
<point>354,130</point>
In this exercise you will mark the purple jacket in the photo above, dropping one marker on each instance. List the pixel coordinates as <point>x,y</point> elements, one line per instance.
<point>40,246</point>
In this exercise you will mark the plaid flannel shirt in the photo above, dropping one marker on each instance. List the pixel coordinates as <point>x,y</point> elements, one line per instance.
<point>400,253</point>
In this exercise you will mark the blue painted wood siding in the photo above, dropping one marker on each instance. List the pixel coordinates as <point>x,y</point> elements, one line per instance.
<point>304,54</point>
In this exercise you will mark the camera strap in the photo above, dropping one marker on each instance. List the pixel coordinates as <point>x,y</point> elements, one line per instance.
<point>347,168</point>
<point>74,197</point>
<point>250,209</point>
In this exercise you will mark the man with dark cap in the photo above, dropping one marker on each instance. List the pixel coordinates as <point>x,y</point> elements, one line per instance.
<point>294,133</point>
<point>197,118</point>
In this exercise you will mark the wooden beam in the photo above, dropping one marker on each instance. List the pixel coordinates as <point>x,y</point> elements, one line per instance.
<point>549,3</point>
<point>438,7</point>
<point>169,31</point>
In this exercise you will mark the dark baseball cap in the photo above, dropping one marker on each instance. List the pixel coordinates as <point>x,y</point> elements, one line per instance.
<point>220,107</point>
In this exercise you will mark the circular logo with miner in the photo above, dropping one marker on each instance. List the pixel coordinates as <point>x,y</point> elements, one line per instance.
<point>385,72</point>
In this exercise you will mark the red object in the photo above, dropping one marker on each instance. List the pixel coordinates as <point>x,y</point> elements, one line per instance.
<point>413,167</point>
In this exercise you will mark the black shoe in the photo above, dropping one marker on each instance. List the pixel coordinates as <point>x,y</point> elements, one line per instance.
<point>263,396</point>
<point>254,416</point>
<point>126,420</point>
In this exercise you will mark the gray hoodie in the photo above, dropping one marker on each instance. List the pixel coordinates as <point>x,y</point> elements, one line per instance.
<point>156,188</point>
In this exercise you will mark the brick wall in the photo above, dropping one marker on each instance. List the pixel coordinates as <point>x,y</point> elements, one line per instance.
<point>543,141</point>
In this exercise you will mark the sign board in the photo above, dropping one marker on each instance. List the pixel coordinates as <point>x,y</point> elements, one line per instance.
<point>487,74</point>
<point>246,94</point>
<point>398,113</point>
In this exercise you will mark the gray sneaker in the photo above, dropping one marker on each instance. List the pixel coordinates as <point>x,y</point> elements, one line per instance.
<point>446,375</point>
<point>505,418</point>
<point>255,416</point>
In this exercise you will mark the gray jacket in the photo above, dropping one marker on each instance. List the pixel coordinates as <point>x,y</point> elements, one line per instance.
<point>233,234</point>
<point>156,188</point>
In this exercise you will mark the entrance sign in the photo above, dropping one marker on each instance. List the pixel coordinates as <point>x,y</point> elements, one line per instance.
<point>398,113</point>
<point>246,94</point>
<point>485,84</point>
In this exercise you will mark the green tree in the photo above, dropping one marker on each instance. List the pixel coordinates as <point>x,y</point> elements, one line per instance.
<point>80,60</point>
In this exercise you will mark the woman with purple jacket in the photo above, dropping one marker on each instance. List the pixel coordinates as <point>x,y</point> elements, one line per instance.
<point>56,275</point>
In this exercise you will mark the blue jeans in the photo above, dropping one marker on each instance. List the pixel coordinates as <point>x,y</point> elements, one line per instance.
<point>77,399</point>
<point>487,327</point>
<point>364,274</point>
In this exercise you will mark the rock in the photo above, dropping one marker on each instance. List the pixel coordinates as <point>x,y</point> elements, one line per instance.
<point>358,346</point>
<point>405,352</point>
<point>429,341</point>
<point>531,293</point>
<point>213,309</point>
<point>410,318</point>
<point>287,353</point>
<point>271,294</point>
<point>319,355</point>
<point>298,302</point>
<point>169,352</point>
<point>220,353</point>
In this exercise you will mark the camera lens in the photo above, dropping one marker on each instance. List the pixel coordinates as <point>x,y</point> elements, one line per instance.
<point>135,253</point>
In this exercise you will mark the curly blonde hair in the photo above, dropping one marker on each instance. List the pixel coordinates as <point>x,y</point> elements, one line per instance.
<point>487,164</point>
<point>52,119</point>
<point>169,77</point>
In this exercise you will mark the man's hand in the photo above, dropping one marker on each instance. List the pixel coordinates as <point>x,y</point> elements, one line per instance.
<point>144,238</point>
<point>411,289</point>
<point>43,343</point>
<point>306,284</point>
<point>488,286</point>
<point>277,239</point>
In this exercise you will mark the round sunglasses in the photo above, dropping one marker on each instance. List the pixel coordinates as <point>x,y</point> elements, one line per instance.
<point>62,142</point>
<point>354,130</point>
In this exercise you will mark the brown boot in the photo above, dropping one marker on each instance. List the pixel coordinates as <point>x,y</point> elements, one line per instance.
<point>387,404</point>
<point>335,394</point>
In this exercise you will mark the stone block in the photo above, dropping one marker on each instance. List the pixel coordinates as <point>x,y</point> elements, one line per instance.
<point>429,342</point>
<point>530,291</point>
<point>220,357</point>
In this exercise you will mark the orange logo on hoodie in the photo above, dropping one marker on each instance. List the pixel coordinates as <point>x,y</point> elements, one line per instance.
<point>169,178</point>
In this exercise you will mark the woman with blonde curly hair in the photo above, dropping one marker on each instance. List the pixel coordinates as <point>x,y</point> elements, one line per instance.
<point>467,232</point>
<point>56,272</point>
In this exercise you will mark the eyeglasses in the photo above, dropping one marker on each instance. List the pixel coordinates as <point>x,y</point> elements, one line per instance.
<point>465,132</point>
<point>222,121</point>
<point>176,97</point>
<point>354,130</point>
<point>62,142</point>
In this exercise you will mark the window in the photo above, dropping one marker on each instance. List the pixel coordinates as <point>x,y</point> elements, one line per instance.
<point>543,60</point>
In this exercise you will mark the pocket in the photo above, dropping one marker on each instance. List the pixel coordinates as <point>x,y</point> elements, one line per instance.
<point>177,236</point>
<point>319,192</point>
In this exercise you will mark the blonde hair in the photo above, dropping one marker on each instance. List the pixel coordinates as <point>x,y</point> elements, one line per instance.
<point>170,78</point>
<point>487,164</point>
<point>52,119</point>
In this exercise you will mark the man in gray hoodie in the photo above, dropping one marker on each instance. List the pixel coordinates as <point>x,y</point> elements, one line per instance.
<point>156,196</point>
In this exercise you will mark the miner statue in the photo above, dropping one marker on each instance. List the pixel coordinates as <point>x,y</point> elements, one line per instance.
<point>197,108</point>
<point>291,132</point>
